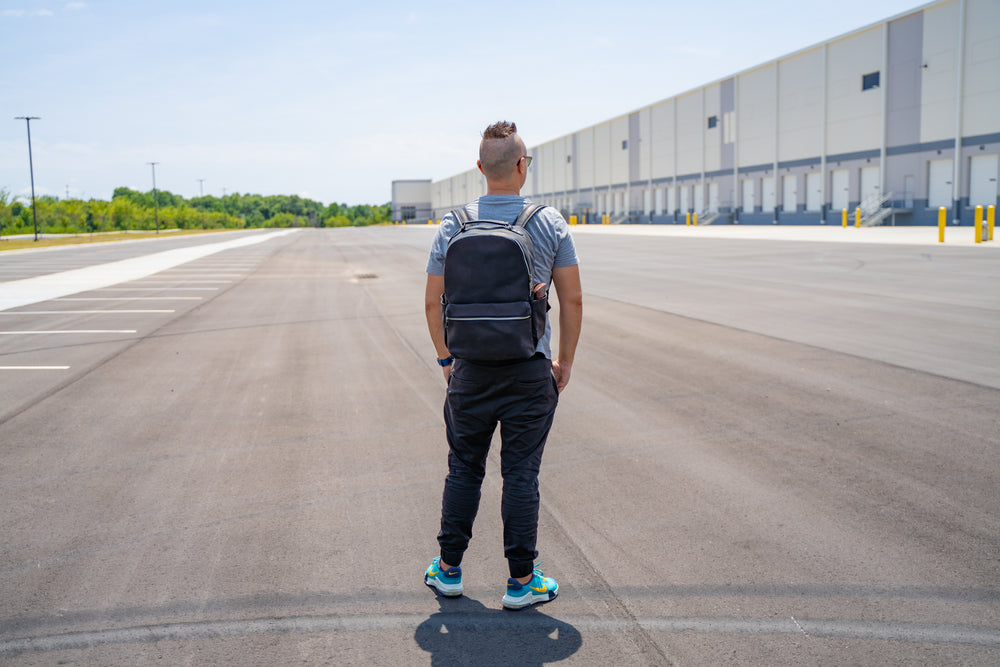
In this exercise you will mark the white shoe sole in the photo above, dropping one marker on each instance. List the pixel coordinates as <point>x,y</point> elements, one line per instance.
<point>522,601</point>
<point>449,590</point>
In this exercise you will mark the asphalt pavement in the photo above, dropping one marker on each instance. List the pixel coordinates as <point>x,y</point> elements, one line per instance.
<point>774,449</point>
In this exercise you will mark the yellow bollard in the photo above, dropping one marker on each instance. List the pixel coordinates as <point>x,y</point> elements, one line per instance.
<point>430,222</point>
<point>844,217</point>
<point>857,218</point>
<point>572,219</point>
<point>583,219</point>
<point>942,223</point>
<point>990,215</point>
<point>694,219</point>
<point>979,224</point>
<point>687,219</point>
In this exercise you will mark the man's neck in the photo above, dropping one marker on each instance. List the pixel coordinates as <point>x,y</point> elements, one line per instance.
<point>502,189</point>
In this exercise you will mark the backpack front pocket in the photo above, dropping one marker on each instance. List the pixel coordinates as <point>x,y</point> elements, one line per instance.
<point>489,331</point>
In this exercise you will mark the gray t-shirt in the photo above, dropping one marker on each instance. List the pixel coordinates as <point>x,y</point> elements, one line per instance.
<point>548,230</point>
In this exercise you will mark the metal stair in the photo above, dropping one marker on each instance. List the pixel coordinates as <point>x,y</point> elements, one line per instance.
<point>874,211</point>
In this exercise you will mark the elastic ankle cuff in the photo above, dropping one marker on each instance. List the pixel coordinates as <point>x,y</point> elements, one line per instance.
<point>518,570</point>
<point>453,559</point>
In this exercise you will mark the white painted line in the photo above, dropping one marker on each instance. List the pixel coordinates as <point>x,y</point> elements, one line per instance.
<point>180,280</point>
<point>16,293</point>
<point>34,368</point>
<point>130,298</point>
<point>79,312</point>
<point>68,331</point>
<point>147,289</point>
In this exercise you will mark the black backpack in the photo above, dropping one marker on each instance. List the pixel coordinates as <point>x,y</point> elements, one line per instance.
<point>489,307</point>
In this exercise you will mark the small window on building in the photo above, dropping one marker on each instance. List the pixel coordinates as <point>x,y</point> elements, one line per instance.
<point>869,81</point>
<point>713,121</point>
<point>624,144</point>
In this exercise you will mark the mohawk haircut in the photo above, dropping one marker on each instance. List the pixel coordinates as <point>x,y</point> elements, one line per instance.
<point>500,130</point>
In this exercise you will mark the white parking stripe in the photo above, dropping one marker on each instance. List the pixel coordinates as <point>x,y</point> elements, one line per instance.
<point>79,312</point>
<point>130,298</point>
<point>147,289</point>
<point>43,288</point>
<point>34,368</point>
<point>68,331</point>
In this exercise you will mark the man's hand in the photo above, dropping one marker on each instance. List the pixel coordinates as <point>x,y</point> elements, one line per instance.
<point>447,372</point>
<point>561,371</point>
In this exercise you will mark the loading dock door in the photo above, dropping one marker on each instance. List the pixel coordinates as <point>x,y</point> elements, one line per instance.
<point>685,207</point>
<point>939,184</point>
<point>699,198</point>
<point>767,194</point>
<point>983,180</point>
<point>789,193</point>
<point>869,182</point>
<point>713,197</point>
<point>839,191</point>
<point>814,192</point>
<point>748,202</point>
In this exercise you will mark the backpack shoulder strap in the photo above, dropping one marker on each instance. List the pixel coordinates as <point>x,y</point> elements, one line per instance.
<point>526,214</point>
<point>462,215</point>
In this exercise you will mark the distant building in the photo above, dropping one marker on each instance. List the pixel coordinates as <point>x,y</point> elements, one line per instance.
<point>897,118</point>
<point>411,201</point>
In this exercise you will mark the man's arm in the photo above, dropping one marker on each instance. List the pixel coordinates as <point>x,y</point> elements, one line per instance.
<point>566,280</point>
<point>432,310</point>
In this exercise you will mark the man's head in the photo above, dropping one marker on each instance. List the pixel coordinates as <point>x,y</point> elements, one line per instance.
<point>500,157</point>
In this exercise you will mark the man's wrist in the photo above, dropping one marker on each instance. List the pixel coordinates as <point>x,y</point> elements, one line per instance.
<point>444,363</point>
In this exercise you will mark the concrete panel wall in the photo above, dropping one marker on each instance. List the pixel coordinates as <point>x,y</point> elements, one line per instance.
<point>663,144</point>
<point>981,82</point>
<point>854,116</point>
<point>712,137</point>
<point>602,155</point>
<point>800,106</point>
<point>904,79</point>
<point>619,151</point>
<point>690,120</point>
<point>937,85</point>
<point>755,116</point>
<point>645,148</point>
<point>587,158</point>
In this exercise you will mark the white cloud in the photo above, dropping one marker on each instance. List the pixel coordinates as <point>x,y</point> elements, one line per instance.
<point>13,12</point>
<point>76,5</point>
<point>43,12</point>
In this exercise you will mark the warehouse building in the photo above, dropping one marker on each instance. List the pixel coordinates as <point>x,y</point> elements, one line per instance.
<point>896,119</point>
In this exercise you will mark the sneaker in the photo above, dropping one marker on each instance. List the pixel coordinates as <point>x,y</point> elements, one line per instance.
<point>539,589</point>
<point>446,583</point>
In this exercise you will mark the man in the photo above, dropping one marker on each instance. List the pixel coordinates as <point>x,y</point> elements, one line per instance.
<point>520,396</point>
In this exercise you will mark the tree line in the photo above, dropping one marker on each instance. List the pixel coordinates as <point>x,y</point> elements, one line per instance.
<point>133,210</point>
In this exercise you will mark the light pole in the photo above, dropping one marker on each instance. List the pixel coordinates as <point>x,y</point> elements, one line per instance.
<point>31,167</point>
<point>156,206</point>
<point>201,187</point>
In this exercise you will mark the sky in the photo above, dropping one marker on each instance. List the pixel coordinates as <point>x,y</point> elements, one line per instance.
<point>333,100</point>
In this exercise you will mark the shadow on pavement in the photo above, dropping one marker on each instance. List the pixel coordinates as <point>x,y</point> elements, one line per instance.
<point>465,632</point>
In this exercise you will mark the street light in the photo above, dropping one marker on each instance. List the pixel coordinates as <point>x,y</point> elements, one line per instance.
<point>201,187</point>
<point>156,206</point>
<point>31,167</point>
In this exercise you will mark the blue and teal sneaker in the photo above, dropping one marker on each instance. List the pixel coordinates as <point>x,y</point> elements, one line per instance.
<point>539,589</point>
<point>446,583</point>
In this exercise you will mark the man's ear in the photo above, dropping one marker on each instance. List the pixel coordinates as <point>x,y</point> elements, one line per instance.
<point>479,163</point>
